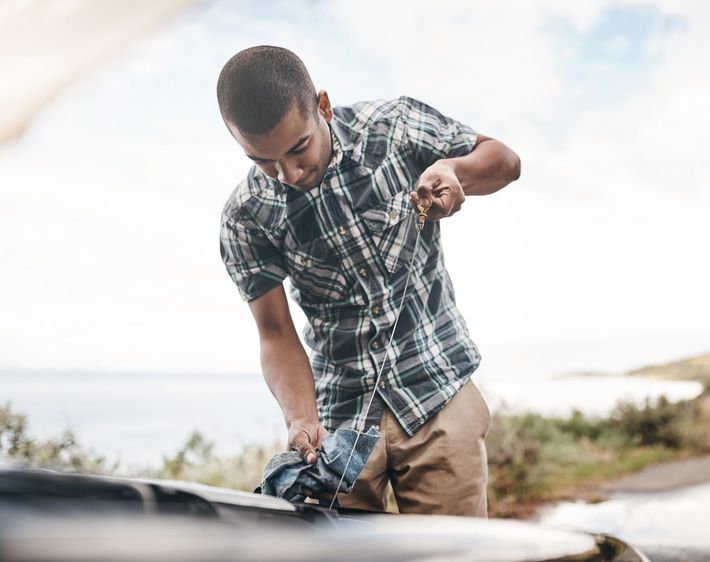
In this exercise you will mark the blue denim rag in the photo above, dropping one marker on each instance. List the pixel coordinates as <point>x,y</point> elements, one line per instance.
<point>287,475</point>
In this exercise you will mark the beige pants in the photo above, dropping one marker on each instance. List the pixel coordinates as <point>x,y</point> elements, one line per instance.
<point>442,469</point>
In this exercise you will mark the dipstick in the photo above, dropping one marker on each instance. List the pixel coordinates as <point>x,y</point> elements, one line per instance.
<point>423,211</point>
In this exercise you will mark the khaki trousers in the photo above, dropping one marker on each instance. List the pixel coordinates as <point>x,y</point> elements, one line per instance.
<point>442,469</point>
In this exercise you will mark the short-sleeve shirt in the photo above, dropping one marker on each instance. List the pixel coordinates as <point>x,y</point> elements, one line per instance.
<point>347,246</point>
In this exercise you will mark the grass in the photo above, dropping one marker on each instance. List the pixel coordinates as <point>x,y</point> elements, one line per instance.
<point>534,459</point>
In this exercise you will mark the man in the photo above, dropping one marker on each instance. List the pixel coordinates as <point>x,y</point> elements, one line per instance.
<point>330,203</point>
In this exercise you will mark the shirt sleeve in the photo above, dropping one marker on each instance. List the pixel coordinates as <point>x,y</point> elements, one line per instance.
<point>433,136</point>
<point>252,261</point>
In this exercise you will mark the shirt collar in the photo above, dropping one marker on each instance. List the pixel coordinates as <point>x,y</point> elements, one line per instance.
<point>346,141</point>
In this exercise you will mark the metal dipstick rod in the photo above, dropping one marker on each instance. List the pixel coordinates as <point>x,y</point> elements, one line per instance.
<point>360,427</point>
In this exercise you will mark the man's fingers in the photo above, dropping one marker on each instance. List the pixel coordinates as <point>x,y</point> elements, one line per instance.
<point>424,194</point>
<point>443,203</point>
<point>307,452</point>
<point>322,496</point>
<point>439,197</point>
<point>413,199</point>
<point>303,445</point>
<point>322,432</point>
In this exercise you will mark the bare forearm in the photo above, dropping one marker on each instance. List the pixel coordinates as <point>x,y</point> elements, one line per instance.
<point>488,168</point>
<point>288,372</point>
<point>288,375</point>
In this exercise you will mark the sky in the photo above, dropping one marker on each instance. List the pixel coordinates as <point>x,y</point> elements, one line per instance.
<point>110,202</point>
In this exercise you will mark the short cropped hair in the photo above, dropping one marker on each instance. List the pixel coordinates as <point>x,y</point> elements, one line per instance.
<point>259,85</point>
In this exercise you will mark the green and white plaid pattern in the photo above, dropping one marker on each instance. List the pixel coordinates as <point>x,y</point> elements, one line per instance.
<point>346,246</point>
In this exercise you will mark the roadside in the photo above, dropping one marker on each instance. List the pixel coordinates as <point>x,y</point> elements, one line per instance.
<point>675,474</point>
<point>536,462</point>
<point>662,477</point>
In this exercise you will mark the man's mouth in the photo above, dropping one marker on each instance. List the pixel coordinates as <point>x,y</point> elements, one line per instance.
<point>307,182</point>
<point>304,183</point>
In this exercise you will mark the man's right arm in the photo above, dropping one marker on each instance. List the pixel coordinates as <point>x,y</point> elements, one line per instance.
<point>287,371</point>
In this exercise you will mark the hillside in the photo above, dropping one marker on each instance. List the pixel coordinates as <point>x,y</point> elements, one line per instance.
<point>695,368</point>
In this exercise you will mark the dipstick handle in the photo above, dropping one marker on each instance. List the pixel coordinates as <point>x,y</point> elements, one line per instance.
<point>423,211</point>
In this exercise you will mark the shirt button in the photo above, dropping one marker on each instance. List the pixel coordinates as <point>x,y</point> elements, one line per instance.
<point>341,230</point>
<point>302,260</point>
<point>393,215</point>
<point>363,272</point>
<point>375,345</point>
<point>375,309</point>
<point>383,385</point>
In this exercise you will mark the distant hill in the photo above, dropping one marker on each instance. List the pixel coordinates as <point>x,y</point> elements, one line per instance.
<point>696,368</point>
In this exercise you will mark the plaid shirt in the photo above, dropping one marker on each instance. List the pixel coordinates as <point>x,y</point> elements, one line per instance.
<point>346,246</point>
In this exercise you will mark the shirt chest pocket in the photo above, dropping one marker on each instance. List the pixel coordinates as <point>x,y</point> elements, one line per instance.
<point>315,273</point>
<point>391,225</point>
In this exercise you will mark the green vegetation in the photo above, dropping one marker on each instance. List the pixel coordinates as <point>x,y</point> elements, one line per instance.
<point>195,461</point>
<point>61,452</point>
<point>532,459</point>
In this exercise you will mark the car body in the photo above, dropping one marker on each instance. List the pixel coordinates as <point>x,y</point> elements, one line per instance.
<point>52,516</point>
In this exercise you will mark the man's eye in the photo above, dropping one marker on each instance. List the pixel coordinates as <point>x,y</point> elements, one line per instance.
<point>299,150</point>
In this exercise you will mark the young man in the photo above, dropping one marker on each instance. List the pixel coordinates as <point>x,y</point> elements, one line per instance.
<point>330,203</point>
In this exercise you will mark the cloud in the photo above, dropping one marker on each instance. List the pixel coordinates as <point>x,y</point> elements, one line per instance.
<point>489,61</point>
<point>609,210</point>
<point>109,207</point>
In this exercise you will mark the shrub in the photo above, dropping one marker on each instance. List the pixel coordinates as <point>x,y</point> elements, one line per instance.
<point>60,453</point>
<point>196,462</point>
<point>512,451</point>
<point>660,423</point>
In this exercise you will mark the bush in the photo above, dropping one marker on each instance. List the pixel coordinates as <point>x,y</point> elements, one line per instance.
<point>60,453</point>
<point>512,451</point>
<point>196,462</point>
<point>661,423</point>
<point>534,459</point>
<point>581,427</point>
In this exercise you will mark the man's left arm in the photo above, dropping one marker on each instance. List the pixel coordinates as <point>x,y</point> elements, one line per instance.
<point>444,185</point>
<point>489,167</point>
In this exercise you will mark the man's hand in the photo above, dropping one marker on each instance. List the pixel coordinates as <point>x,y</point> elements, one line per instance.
<point>439,191</point>
<point>304,437</point>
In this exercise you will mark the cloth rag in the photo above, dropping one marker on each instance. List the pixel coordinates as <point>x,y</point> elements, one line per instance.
<point>287,475</point>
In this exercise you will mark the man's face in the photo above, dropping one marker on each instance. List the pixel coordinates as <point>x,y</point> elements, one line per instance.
<point>297,151</point>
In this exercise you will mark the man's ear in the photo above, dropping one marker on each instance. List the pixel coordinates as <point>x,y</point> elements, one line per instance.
<point>324,107</point>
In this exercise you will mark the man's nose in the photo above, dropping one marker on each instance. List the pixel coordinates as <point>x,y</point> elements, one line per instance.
<point>289,172</point>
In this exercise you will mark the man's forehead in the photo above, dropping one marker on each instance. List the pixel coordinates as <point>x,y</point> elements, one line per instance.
<point>287,134</point>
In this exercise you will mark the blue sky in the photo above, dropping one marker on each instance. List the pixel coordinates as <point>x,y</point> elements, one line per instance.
<point>610,60</point>
<point>111,201</point>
